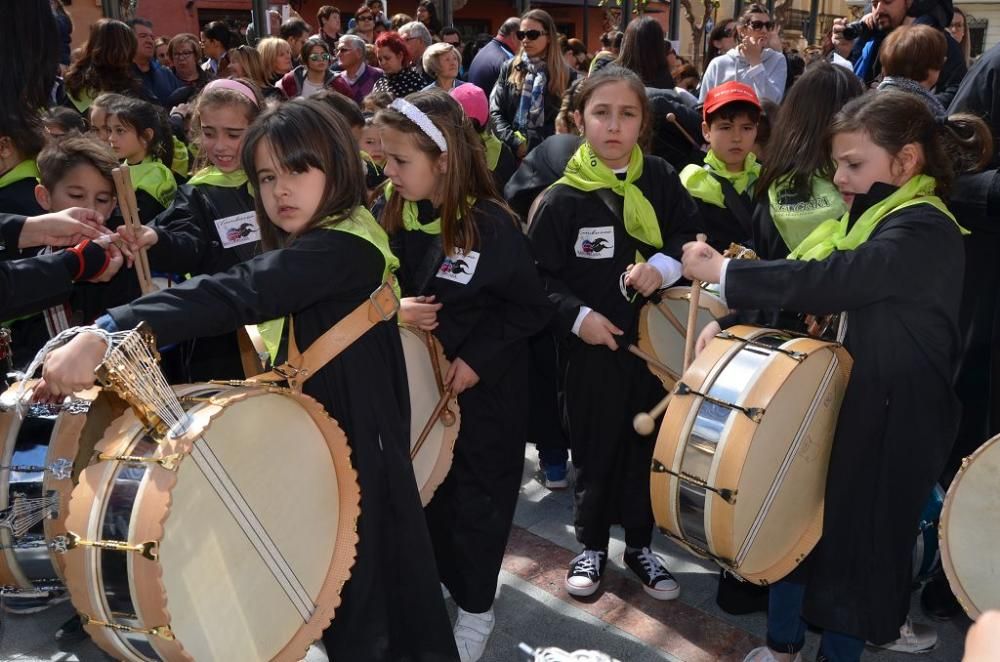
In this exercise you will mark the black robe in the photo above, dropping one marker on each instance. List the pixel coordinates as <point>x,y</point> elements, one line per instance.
<point>392,606</point>
<point>899,415</point>
<point>19,198</point>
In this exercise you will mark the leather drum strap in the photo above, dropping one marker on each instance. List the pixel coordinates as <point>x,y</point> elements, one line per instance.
<point>381,306</point>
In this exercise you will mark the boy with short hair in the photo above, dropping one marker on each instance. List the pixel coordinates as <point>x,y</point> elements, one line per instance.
<point>722,187</point>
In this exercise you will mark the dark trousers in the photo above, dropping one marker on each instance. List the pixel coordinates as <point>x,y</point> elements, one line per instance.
<point>786,630</point>
<point>546,430</point>
<point>471,514</point>
<point>604,391</point>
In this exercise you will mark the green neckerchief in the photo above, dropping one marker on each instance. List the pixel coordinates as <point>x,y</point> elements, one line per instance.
<point>82,104</point>
<point>212,176</point>
<point>741,180</point>
<point>182,161</point>
<point>155,179</point>
<point>411,220</point>
<point>359,223</point>
<point>586,172</point>
<point>493,147</point>
<point>26,169</point>
<point>796,220</point>
<point>839,235</point>
<point>367,158</point>
<point>701,184</point>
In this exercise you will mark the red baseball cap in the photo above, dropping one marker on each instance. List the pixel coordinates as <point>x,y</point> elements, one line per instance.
<point>728,93</point>
<point>473,101</point>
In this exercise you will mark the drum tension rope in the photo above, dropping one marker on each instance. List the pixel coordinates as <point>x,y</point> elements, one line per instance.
<point>727,495</point>
<point>755,414</point>
<point>798,356</point>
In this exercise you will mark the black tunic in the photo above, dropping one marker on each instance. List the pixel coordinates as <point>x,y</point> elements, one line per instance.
<point>899,415</point>
<point>19,198</point>
<point>392,606</point>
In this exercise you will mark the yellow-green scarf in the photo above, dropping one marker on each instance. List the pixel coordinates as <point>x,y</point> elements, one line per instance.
<point>833,236</point>
<point>27,169</point>
<point>586,172</point>
<point>493,147</point>
<point>212,176</point>
<point>83,103</point>
<point>411,215</point>
<point>701,184</point>
<point>367,158</point>
<point>155,179</point>
<point>796,220</point>
<point>181,163</point>
<point>361,224</point>
<point>741,180</point>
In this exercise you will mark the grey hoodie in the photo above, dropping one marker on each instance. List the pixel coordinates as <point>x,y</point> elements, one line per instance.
<point>767,78</point>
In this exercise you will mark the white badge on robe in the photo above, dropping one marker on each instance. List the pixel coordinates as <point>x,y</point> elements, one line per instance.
<point>238,230</point>
<point>459,267</point>
<point>595,243</point>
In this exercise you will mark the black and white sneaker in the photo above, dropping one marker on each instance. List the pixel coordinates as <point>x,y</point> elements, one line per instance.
<point>584,576</point>
<point>651,571</point>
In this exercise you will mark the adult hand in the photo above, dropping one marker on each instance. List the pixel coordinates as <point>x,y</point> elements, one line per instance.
<point>64,228</point>
<point>420,312</point>
<point>597,329</point>
<point>116,259</point>
<point>752,48</point>
<point>982,643</point>
<point>460,377</point>
<point>702,262</point>
<point>711,330</point>
<point>644,278</point>
<point>842,45</point>
<point>70,368</point>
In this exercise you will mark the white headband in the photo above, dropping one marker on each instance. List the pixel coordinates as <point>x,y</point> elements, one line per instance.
<point>420,118</point>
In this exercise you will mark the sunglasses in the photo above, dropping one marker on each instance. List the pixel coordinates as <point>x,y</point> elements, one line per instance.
<point>530,35</point>
<point>761,25</point>
<point>182,54</point>
<point>319,57</point>
<point>364,18</point>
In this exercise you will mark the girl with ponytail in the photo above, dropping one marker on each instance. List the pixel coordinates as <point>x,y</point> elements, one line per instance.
<point>894,263</point>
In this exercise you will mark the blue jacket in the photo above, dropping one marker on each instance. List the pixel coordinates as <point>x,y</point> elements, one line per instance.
<point>485,67</point>
<point>158,83</point>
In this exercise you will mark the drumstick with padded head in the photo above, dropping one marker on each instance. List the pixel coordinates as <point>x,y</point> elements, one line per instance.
<point>645,422</point>
<point>654,362</point>
<point>692,327</point>
<point>672,118</point>
<point>439,410</point>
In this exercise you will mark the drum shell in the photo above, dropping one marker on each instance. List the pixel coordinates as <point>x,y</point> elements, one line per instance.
<point>723,463</point>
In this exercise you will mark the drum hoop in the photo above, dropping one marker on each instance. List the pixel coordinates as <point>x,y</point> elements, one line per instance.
<point>954,580</point>
<point>145,576</point>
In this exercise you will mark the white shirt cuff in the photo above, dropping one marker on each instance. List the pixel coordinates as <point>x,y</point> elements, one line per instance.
<point>584,311</point>
<point>669,268</point>
<point>722,282</point>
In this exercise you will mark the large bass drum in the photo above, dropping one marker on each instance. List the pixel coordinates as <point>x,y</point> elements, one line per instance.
<point>739,467</point>
<point>970,531</point>
<point>44,448</point>
<point>426,367</point>
<point>231,541</point>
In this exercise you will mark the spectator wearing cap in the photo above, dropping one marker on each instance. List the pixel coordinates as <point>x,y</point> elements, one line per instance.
<point>418,39</point>
<point>357,79</point>
<point>216,39</point>
<point>499,158</point>
<point>157,82</point>
<point>400,78</point>
<point>485,67</point>
<point>442,62</point>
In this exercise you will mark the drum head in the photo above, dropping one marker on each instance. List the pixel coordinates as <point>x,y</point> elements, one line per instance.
<point>432,460</point>
<point>662,327</point>
<point>970,531</point>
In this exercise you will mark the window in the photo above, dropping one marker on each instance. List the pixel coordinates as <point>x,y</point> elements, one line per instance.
<point>977,35</point>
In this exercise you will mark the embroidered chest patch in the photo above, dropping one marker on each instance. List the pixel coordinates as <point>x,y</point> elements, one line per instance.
<point>595,243</point>
<point>459,267</point>
<point>238,230</point>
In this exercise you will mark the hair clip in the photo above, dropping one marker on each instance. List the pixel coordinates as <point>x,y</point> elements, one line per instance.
<point>421,119</point>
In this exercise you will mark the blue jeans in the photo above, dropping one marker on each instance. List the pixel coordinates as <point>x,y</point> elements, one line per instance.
<point>786,631</point>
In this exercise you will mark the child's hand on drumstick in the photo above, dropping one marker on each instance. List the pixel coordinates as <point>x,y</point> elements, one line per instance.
<point>138,238</point>
<point>711,330</point>
<point>596,329</point>
<point>702,262</point>
<point>643,278</point>
<point>70,368</point>
<point>420,312</point>
<point>460,377</point>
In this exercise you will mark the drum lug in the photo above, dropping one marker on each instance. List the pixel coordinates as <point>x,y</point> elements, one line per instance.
<point>146,549</point>
<point>755,414</point>
<point>163,631</point>
<point>168,462</point>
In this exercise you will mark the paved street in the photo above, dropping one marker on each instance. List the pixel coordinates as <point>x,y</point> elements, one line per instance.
<point>533,606</point>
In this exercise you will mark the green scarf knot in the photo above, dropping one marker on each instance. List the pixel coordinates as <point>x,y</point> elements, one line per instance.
<point>212,176</point>
<point>833,235</point>
<point>741,180</point>
<point>155,179</point>
<point>586,172</point>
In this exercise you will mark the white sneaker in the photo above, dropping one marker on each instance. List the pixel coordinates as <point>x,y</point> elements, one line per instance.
<point>913,638</point>
<point>472,631</point>
<point>765,654</point>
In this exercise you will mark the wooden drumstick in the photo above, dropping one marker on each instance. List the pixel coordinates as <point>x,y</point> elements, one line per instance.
<point>645,422</point>
<point>653,361</point>
<point>127,205</point>
<point>692,317</point>
<point>447,416</point>
<point>439,410</point>
<point>673,120</point>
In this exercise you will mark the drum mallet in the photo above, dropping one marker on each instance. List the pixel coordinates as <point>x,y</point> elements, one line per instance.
<point>439,409</point>
<point>645,422</point>
<point>692,330</point>
<point>672,118</point>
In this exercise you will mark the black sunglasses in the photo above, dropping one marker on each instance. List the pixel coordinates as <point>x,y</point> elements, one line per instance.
<point>530,35</point>
<point>760,25</point>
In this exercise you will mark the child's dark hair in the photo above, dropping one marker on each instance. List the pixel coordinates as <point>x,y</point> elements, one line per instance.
<point>24,130</point>
<point>290,132</point>
<point>960,144</point>
<point>467,177</point>
<point>60,157</point>
<point>800,150</point>
<point>142,116</point>
<point>733,110</point>
<point>342,105</point>
<point>764,124</point>
<point>616,74</point>
<point>66,119</point>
